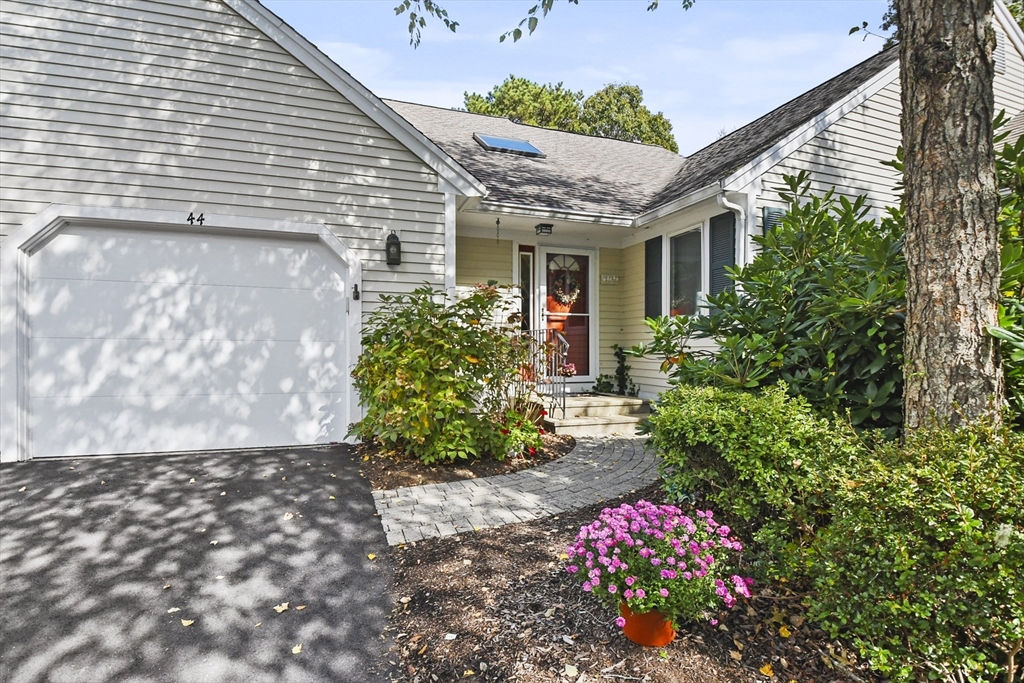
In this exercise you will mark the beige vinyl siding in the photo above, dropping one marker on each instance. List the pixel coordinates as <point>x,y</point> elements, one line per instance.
<point>609,309</point>
<point>185,106</point>
<point>479,260</point>
<point>646,372</point>
<point>849,154</point>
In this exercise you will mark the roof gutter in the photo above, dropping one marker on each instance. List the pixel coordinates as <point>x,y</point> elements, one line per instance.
<point>676,204</point>
<point>485,206</point>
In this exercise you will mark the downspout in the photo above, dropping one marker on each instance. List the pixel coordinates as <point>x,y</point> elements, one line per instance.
<point>741,214</point>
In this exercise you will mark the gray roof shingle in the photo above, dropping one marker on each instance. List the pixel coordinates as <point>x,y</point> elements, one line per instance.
<point>612,177</point>
<point>730,153</point>
<point>578,173</point>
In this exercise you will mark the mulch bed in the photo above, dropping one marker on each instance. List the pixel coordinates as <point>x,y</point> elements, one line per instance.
<point>497,605</point>
<point>394,470</point>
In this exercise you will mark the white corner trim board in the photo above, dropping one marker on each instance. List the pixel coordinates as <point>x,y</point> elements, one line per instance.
<point>132,330</point>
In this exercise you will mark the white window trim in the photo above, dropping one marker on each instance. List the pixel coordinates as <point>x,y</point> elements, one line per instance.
<point>705,263</point>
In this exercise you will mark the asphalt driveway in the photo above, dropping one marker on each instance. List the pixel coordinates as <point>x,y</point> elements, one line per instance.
<point>102,558</point>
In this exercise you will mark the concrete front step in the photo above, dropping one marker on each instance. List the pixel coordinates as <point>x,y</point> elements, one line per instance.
<point>624,425</point>
<point>605,406</point>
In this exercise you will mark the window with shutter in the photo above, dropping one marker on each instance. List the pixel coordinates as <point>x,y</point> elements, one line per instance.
<point>723,251</point>
<point>652,277</point>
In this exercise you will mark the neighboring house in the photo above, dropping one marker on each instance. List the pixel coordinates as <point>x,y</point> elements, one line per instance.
<point>194,204</point>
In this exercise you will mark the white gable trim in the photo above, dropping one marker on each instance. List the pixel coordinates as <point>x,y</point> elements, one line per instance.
<point>805,133</point>
<point>1012,29</point>
<point>289,39</point>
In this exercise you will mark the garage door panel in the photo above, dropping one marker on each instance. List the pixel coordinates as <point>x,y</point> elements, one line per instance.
<point>128,367</point>
<point>180,257</point>
<point>130,310</point>
<point>97,426</point>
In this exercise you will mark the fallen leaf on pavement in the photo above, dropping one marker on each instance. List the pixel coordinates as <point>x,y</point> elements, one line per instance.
<point>166,586</point>
<point>187,622</point>
<point>297,649</point>
<point>298,607</point>
<point>784,631</point>
<point>372,556</point>
<point>767,670</point>
<point>288,515</point>
<point>571,671</point>
<point>223,493</point>
<point>258,624</point>
<point>192,480</point>
<point>214,542</point>
<point>735,655</point>
<point>281,608</point>
<point>22,489</point>
<point>331,498</point>
<point>173,610</point>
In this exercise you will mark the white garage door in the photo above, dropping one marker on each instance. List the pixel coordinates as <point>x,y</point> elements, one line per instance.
<point>148,340</point>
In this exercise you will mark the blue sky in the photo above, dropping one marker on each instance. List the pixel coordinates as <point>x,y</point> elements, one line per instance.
<point>714,67</point>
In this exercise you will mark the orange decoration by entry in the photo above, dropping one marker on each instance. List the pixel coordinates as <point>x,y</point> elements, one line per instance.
<point>652,628</point>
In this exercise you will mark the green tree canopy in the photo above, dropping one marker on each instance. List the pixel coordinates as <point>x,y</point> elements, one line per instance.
<point>523,101</point>
<point>615,111</point>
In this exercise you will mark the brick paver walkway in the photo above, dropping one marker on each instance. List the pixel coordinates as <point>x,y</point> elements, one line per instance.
<point>598,468</point>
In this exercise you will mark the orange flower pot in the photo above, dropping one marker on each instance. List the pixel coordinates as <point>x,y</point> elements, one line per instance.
<point>652,629</point>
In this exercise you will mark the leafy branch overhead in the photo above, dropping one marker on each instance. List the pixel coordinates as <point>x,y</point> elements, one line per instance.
<point>419,10</point>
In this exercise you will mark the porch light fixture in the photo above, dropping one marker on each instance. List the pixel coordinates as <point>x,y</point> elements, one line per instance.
<point>544,228</point>
<point>393,249</point>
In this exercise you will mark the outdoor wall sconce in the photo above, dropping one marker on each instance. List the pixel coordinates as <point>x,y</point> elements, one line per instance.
<point>393,249</point>
<point>544,228</point>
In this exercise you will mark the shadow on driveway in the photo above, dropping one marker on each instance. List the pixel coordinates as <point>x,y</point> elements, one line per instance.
<point>96,552</point>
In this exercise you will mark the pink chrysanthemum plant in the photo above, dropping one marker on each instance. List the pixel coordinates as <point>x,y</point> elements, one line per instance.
<point>653,557</point>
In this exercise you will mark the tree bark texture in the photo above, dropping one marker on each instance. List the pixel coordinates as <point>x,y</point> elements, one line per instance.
<point>952,366</point>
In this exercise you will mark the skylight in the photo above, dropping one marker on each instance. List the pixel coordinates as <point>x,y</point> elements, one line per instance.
<point>492,143</point>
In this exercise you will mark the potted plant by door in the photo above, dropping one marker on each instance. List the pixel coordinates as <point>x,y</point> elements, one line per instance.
<point>657,567</point>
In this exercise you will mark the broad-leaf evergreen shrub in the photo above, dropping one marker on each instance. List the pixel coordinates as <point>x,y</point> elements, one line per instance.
<point>761,457</point>
<point>923,561</point>
<point>820,308</point>
<point>443,380</point>
<point>1010,331</point>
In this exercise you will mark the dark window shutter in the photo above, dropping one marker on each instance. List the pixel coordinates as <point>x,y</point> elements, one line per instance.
<point>723,251</point>
<point>652,278</point>
<point>770,218</point>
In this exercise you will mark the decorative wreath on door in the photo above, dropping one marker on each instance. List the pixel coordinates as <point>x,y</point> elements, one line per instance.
<point>565,289</point>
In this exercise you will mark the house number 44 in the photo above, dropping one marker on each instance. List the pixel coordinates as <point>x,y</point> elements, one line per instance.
<point>193,219</point>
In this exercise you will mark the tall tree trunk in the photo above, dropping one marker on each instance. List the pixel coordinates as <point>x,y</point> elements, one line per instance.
<point>952,243</point>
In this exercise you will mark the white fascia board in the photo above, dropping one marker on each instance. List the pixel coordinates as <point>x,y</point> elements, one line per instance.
<point>41,228</point>
<point>291,41</point>
<point>1013,30</point>
<point>678,204</point>
<point>805,133</point>
<point>554,213</point>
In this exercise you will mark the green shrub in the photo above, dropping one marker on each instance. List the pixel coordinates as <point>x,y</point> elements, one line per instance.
<point>443,380</point>
<point>764,458</point>
<point>1010,168</point>
<point>821,308</point>
<point>922,562</point>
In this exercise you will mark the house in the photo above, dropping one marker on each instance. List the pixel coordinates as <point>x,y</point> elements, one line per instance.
<point>195,203</point>
<point>635,231</point>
